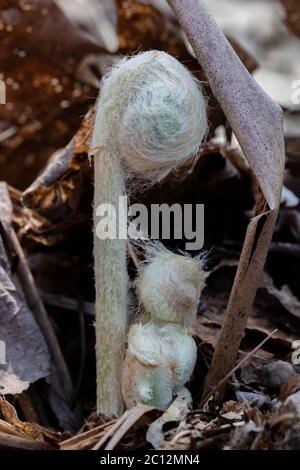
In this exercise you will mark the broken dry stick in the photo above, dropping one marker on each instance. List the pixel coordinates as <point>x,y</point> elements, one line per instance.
<point>257,123</point>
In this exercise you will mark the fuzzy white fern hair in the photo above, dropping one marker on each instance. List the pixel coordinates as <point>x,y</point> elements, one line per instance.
<point>169,287</point>
<point>151,118</point>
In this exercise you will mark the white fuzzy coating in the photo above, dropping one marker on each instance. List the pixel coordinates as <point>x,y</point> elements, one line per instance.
<point>170,287</point>
<point>151,118</point>
<point>151,113</point>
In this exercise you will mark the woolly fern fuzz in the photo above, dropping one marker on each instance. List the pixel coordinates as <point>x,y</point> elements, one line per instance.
<point>161,354</point>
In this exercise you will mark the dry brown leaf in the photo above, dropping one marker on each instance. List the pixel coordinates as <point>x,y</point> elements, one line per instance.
<point>30,360</point>
<point>30,430</point>
<point>292,20</point>
<point>9,442</point>
<point>46,97</point>
<point>55,202</point>
<point>97,436</point>
<point>57,193</point>
<point>175,413</point>
<point>95,18</point>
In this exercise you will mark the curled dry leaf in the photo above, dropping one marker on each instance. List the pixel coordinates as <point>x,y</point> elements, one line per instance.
<point>96,18</point>
<point>57,197</point>
<point>26,354</point>
<point>276,431</point>
<point>58,193</point>
<point>275,374</point>
<point>30,430</point>
<point>292,19</point>
<point>142,26</point>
